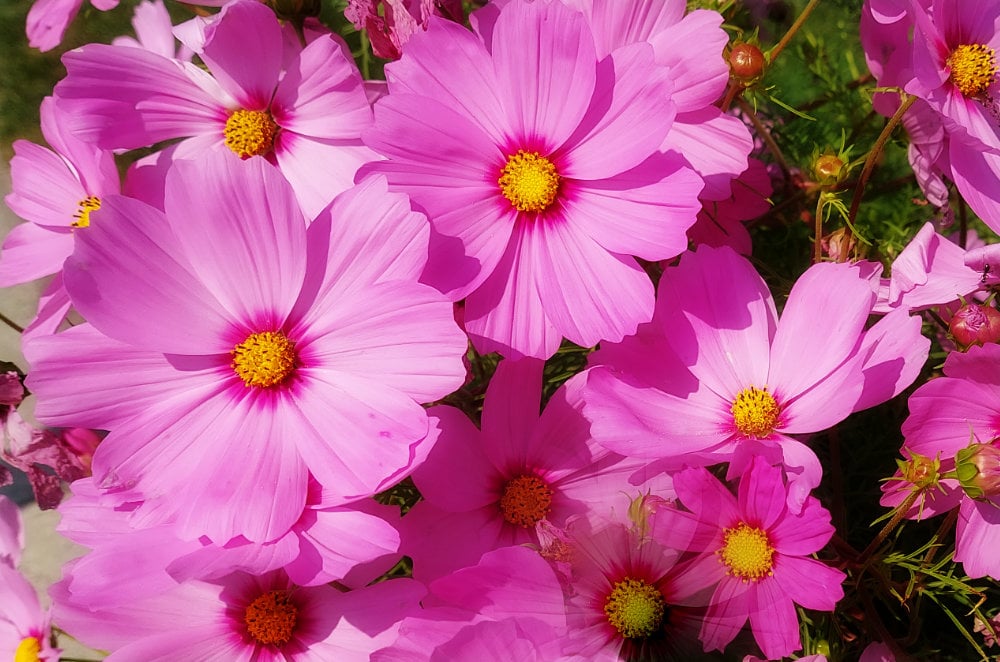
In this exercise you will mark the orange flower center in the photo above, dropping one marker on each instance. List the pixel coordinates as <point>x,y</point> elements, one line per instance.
<point>264,359</point>
<point>250,133</point>
<point>747,552</point>
<point>271,618</point>
<point>973,68</point>
<point>755,412</point>
<point>529,181</point>
<point>85,206</point>
<point>526,500</point>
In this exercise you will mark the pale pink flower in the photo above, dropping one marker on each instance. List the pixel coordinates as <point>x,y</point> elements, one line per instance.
<point>237,337</point>
<point>717,377</point>
<point>538,164</point>
<point>48,20</point>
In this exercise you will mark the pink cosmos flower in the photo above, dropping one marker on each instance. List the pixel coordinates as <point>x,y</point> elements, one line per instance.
<point>154,32</point>
<point>627,599</point>
<point>389,24</point>
<point>48,20</point>
<point>304,113</point>
<point>537,163</point>
<point>757,554</point>
<point>244,617</point>
<point>235,337</point>
<point>717,377</point>
<point>954,415</point>
<point>722,222</point>
<point>488,489</point>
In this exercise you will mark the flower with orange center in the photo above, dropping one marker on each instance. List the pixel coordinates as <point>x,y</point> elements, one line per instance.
<point>973,69</point>
<point>755,412</point>
<point>250,133</point>
<point>525,501</point>
<point>82,215</point>
<point>271,618</point>
<point>264,359</point>
<point>530,181</point>
<point>635,608</point>
<point>747,552</point>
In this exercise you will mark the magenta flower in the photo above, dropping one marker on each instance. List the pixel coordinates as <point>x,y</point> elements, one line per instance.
<point>244,617</point>
<point>956,419</point>
<point>304,113</point>
<point>235,337</point>
<point>483,490</point>
<point>717,377</point>
<point>537,163</point>
<point>48,20</point>
<point>757,554</point>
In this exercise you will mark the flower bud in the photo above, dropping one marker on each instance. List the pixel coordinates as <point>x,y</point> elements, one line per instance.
<point>746,63</point>
<point>975,324</point>
<point>838,244</point>
<point>829,170</point>
<point>978,470</point>
<point>920,470</point>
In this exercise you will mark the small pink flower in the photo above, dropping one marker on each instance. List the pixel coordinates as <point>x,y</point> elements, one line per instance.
<point>757,554</point>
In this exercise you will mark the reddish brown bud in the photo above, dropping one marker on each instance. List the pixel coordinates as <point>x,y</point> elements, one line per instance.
<point>975,324</point>
<point>746,63</point>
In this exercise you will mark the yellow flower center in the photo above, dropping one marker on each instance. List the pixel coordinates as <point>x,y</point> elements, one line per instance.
<point>973,68</point>
<point>529,181</point>
<point>85,206</point>
<point>264,359</point>
<point>271,618</point>
<point>28,650</point>
<point>635,608</point>
<point>526,500</point>
<point>747,552</point>
<point>250,133</point>
<point>755,412</point>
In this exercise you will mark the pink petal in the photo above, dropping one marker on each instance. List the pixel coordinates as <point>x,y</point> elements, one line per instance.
<point>715,144</point>
<point>588,293</point>
<point>243,52</point>
<point>94,167</point>
<point>505,314</point>
<point>441,542</point>
<point>317,169</point>
<point>727,614</point>
<point>511,409</point>
<point>47,22</point>
<point>839,296</point>
<point>129,253</point>
<point>947,414</point>
<point>333,541</point>
<point>250,239</point>
<point>44,188</point>
<point>628,117</point>
<point>722,333</point>
<point>802,534</point>
<point>809,583</point>
<point>544,58</point>
<point>457,475</point>
<point>977,536</point>
<point>773,619</point>
<point>762,494</point>
<point>616,24</point>
<point>692,49</point>
<point>705,496</point>
<point>644,211</point>
<point>31,251</point>
<point>894,351</point>
<point>976,173</point>
<point>321,94</point>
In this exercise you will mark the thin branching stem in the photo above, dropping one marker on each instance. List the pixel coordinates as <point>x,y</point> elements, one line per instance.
<point>890,526</point>
<point>11,323</point>
<point>773,55</point>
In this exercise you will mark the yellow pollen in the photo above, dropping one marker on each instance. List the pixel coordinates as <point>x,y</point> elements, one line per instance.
<point>529,181</point>
<point>28,650</point>
<point>271,618</point>
<point>747,552</point>
<point>264,359</point>
<point>526,500</point>
<point>755,412</point>
<point>635,608</point>
<point>82,215</point>
<point>973,68</point>
<point>250,133</point>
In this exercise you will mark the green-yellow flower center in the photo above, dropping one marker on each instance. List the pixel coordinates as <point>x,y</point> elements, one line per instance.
<point>28,650</point>
<point>973,68</point>
<point>84,207</point>
<point>264,359</point>
<point>529,181</point>
<point>250,133</point>
<point>635,608</point>
<point>525,501</point>
<point>271,618</point>
<point>755,412</point>
<point>747,552</point>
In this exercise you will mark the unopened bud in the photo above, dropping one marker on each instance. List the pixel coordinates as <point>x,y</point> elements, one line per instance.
<point>975,324</point>
<point>839,243</point>
<point>746,63</point>
<point>642,508</point>
<point>921,471</point>
<point>829,170</point>
<point>978,470</point>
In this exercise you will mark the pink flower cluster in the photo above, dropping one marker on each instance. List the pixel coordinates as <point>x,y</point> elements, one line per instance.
<point>267,321</point>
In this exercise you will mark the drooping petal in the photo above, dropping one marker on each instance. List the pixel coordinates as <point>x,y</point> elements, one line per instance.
<point>773,619</point>
<point>715,144</point>
<point>31,251</point>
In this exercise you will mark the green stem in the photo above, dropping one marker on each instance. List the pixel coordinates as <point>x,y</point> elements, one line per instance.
<point>773,54</point>
<point>866,171</point>
<point>890,526</point>
<point>818,239</point>
<point>765,135</point>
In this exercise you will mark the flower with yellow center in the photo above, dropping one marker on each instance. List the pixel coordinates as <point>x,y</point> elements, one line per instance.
<point>525,501</point>
<point>747,552</point>
<point>28,650</point>
<point>755,412</point>
<point>250,133</point>
<point>530,181</point>
<point>635,608</point>
<point>271,618</point>
<point>84,207</point>
<point>973,69</point>
<point>264,359</point>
